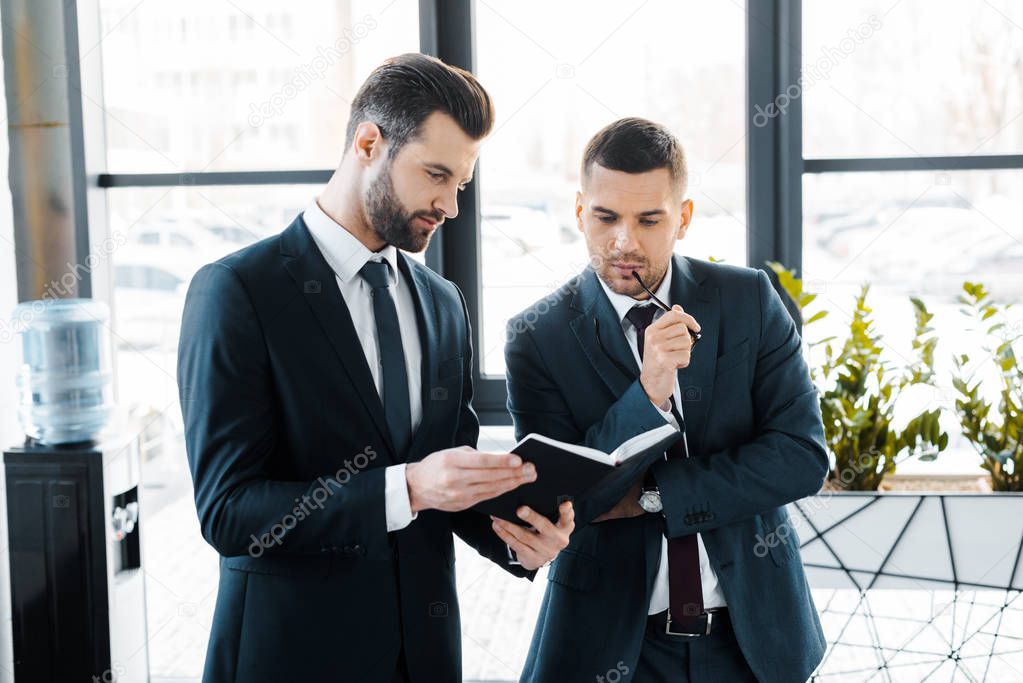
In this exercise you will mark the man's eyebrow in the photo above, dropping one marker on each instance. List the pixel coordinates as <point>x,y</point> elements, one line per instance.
<point>440,167</point>
<point>650,212</point>
<point>446,171</point>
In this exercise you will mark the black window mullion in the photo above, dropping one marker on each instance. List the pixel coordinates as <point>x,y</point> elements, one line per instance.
<point>980,162</point>
<point>774,145</point>
<point>448,31</point>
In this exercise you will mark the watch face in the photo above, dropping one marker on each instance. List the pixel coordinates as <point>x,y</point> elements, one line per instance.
<point>650,501</point>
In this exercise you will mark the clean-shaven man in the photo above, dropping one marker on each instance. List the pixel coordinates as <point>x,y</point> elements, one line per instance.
<point>325,385</point>
<point>671,583</point>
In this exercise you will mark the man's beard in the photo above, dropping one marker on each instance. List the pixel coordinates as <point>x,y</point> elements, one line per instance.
<point>652,274</point>
<point>389,219</point>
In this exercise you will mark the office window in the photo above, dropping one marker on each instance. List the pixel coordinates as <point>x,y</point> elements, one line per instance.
<point>905,105</point>
<point>916,234</point>
<point>196,87</point>
<point>251,85</point>
<point>557,75</point>
<point>915,77</point>
<point>254,86</point>
<point>159,239</point>
<point>921,232</point>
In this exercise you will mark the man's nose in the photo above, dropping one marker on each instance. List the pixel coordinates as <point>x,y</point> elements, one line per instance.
<point>447,204</point>
<point>625,238</point>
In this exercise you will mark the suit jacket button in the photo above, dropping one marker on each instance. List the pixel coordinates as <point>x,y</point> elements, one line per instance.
<point>709,516</point>
<point>358,550</point>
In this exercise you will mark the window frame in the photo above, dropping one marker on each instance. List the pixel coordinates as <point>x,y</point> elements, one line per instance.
<point>774,164</point>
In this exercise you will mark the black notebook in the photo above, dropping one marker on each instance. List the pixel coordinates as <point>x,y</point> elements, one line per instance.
<point>567,471</point>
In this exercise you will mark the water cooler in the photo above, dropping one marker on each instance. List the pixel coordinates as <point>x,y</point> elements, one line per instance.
<point>73,515</point>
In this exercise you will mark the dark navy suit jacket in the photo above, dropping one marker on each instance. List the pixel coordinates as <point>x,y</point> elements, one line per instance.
<point>756,439</point>
<point>279,406</point>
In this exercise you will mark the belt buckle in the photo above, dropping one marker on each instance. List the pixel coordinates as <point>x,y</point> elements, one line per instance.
<point>667,627</point>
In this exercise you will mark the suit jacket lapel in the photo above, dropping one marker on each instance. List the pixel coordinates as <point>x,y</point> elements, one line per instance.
<point>429,339</point>
<point>617,367</point>
<point>318,285</point>
<point>696,382</point>
<point>610,355</point>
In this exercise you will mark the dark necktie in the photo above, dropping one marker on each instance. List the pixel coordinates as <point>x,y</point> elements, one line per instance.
<point>685,589</point>
<point>395,397</point>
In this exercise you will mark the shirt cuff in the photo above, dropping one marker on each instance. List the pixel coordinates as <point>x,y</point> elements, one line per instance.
<point>396,503</point>
<point>668,416</point>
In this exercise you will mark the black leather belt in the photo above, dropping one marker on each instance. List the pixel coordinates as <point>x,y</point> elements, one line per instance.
<point>692,627</point>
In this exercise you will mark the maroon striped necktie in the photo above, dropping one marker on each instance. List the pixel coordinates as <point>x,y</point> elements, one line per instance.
<point>685,590</point>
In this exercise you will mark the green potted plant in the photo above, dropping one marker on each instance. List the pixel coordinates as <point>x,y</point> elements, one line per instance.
<point>995,431</point>
<point>859,390</point>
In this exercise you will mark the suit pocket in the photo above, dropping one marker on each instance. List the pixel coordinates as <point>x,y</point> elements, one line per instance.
<point>306,567</point>
<point>732,357</point>
<point>574,570</point>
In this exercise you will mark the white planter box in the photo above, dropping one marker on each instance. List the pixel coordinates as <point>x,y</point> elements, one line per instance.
<point>911,540</point>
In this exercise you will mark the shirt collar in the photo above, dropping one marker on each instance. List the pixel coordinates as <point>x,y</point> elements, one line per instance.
<point>342,250</point>
<point>623,303</point>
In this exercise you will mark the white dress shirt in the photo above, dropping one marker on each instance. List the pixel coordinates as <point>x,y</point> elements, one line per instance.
<point>712,596</point>
<point>346,256</point>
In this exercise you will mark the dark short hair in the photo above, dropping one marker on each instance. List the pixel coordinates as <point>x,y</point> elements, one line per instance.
<point>635,145</point>
<point>403,91</point>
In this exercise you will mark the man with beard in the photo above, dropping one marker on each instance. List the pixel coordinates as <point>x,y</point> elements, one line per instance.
<point>676,581</point>
<point>325,385</point>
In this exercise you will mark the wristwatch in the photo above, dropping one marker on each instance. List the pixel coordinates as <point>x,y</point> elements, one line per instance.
<point>650,495</point>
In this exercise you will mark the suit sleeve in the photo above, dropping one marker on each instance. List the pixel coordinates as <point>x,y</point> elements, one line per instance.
<point>471,526</point>
<point>786,461</point>
<point>537,405</point>
<point>227,401</point>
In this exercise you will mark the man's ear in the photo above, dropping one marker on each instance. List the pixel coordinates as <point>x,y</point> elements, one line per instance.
<point>579,210</point>
<point>368,142</point>
<point>685,217</point>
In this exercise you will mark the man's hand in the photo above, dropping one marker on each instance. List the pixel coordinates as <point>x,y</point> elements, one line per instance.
<point>540,544</point>
<point>457,478</point>
<point>666,348</point>
<point>628,506</point>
